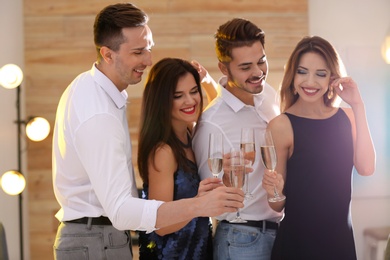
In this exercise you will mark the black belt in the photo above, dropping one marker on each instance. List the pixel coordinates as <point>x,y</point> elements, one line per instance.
<point>264,224</point>
<point>102,221</point>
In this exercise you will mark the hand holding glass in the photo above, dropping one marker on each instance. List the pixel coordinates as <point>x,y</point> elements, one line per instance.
<point>248,147</point>
<point>268,156</point>
<point>215,153</point>
<point>237,175</point>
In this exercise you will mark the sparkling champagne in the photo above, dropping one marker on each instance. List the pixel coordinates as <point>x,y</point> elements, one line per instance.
<point>215,165</point>
<point>249,152</point>
<point>269,157</point>
<point>237,176</point>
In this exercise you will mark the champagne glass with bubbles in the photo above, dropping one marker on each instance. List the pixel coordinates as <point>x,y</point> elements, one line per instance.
<point>248,147</point>
<point>215,153</point>
<point>268,156</point>
<point>236,175</point>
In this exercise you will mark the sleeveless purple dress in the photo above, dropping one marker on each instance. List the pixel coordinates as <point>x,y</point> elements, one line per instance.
<point>317,223</point>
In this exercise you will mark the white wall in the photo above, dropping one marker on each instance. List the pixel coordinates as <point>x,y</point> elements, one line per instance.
<point>357,29</point>
<point>11,51</point>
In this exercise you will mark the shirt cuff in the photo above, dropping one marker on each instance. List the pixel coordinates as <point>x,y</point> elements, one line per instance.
<point>149,215</point>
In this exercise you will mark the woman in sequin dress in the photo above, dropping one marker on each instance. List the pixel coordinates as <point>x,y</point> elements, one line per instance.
<point>172,103</point>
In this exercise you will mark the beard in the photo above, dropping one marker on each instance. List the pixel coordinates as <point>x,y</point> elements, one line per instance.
<point>254,91</point>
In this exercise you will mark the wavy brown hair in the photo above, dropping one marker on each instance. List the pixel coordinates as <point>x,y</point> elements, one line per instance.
<point>317,45</point>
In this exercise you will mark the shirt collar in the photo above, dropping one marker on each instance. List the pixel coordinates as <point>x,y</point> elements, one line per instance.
<point>230,99</point>
<point>265,103</point>
<point>119,98</point>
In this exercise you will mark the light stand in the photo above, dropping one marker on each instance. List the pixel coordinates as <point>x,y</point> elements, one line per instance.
<point>13,182</point>
<point>20,196</point>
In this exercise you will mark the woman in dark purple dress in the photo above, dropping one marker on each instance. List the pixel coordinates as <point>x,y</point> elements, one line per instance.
<point>317,145</point>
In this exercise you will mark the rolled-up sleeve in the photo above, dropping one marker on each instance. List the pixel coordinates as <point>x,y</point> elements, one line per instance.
<point>143,215</point>
<point>110,173</point>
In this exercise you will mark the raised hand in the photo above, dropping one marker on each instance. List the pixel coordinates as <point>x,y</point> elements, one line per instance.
<point>208,83</point>
<point>348,90</point>
<point>203,73</point>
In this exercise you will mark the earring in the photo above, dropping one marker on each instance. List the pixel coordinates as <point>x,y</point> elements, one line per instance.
<point>330,93</point>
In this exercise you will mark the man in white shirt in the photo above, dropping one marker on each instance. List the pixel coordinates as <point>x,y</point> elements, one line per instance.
<point>244,100</point>
<point>93,176</point>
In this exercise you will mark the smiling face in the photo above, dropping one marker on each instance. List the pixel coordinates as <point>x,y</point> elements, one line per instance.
<point>127,64</point>
<point>186,100</point>
<point>312,77</point>
<point>247,71</point>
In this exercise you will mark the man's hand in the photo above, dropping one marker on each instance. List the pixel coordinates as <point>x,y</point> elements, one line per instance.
<point>203,73</point>
<point>218,201</point>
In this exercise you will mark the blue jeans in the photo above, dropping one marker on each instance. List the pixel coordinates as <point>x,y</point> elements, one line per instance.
<point>82,241</point>
<point>236,241</point>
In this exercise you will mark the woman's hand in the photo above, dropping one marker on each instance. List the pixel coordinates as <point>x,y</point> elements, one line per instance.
<point>208,185</point>
<point>348,90</point>
<point>271,179</point>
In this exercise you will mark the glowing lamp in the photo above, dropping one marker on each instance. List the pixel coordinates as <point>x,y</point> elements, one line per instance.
<point>37,129</point>
<point>11,76</point>
<point>13,182</point>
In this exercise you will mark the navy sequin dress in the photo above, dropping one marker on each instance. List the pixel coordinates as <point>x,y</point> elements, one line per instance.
<point>193,241</point>
<point>318,192</point>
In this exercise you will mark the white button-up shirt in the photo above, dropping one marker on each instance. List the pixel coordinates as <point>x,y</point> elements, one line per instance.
<point>92,168</point>
<point>227,114</point>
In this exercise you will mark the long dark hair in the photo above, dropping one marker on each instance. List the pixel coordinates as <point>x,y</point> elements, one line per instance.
<point>156,113</point>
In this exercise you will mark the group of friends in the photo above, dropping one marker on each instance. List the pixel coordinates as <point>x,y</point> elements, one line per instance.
<point>318,142</point>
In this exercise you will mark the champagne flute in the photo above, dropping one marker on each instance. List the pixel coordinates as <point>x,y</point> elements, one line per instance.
<point>215,153</point>
<point>248,147</point>
<point>237,176</point>
<point>268,156</point>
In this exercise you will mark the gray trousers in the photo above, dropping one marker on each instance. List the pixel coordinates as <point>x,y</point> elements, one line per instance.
<point>84,241</point>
